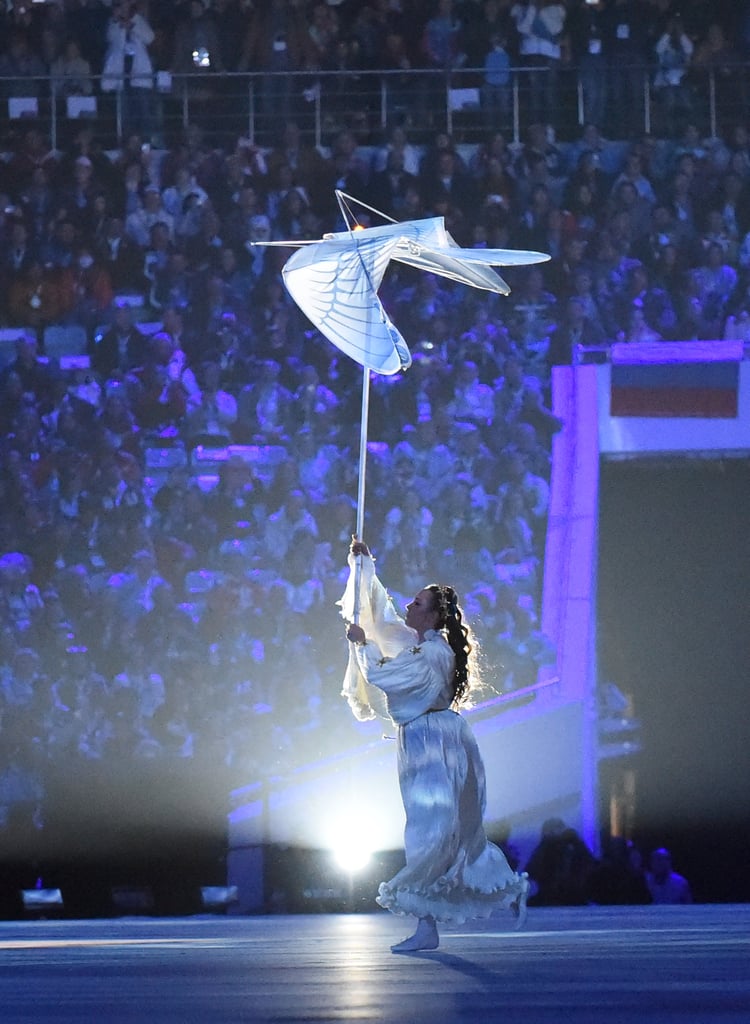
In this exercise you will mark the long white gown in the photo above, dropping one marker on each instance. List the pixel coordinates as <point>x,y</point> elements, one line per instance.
<point>452,872</point>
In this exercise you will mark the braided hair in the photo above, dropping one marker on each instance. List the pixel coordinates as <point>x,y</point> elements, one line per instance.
<point>460,638</point>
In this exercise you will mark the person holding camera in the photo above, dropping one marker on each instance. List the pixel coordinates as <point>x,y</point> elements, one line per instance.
<point>197,50</point>
<point>128,68</point>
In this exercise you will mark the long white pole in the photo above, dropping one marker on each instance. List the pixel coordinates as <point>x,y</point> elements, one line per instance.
<point>361,481</point>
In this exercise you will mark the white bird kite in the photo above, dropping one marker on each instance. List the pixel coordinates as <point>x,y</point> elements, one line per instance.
<point>335,280</point>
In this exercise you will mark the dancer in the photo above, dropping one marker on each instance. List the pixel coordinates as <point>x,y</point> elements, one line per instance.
<point>425,668</point>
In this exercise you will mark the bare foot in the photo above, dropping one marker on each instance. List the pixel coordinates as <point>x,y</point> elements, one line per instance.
<point>425,937</point>
<point>518,906</point>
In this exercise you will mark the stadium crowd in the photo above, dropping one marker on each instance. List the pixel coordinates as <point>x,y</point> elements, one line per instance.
<point>178,447</point>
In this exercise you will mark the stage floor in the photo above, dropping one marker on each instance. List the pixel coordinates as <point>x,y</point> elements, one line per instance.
<point>589,965</point>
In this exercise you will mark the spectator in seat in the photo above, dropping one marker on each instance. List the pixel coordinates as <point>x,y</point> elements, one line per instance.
<point>472,401</point>
<point>433,462</point>
<point>560,866</point>
<point>20,61</point>
<point>211,422</point>
<point>716,280</point>
<point>165,387</point>
<point>71,72</point>
<point>449,182</point>
<point>121,256</point>
<point>18,251</point>
<point>34,298</point>
<point>656,302</point>
<point>33,373</point>
<point>151,211</point>
<point>408,525</point>
<point>121,348</point>
<point>633,173</point>
<point>664,884</point>
<point>86,290</point>
<point>283,527</point>
<point>156,262</point>
<point>132,591</point>
<point>264,406</point>
<point>308,168</point>
<point>12,398</point>
<point>115,424</point>
<point>390,185</point>
<point>638,328</point>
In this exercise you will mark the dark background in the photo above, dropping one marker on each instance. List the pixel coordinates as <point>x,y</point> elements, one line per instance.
<point>674,597</point>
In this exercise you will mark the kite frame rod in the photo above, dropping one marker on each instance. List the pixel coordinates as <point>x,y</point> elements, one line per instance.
<point>343,199</point>
<point>361,483</point>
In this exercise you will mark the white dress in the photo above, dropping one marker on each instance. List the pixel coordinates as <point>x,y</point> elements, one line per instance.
<point>452,872</point>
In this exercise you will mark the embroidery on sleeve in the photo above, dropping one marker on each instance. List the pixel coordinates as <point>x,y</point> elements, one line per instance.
<point>415,650</point>
<point>381,661</point>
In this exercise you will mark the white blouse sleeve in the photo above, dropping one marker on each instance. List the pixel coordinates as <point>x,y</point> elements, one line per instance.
<point>377,614</point>
<point>414,681</point>
<point>383,626</point>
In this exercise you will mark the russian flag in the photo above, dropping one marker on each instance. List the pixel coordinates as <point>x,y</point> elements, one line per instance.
<point>676,380</point>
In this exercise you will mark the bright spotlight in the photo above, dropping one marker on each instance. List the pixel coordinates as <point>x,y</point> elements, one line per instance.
<point>351,854</point>
<point>352,837</point>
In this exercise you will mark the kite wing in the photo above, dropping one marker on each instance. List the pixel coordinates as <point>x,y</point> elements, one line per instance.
<point>446,264</point>
<point>502,257</point>
<point>335,282</point>
<point>437,253</point>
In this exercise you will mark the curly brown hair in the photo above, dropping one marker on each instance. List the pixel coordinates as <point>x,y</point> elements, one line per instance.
<point>461,639</point>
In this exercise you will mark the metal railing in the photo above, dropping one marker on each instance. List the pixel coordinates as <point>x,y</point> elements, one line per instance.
<point>255,104</point>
